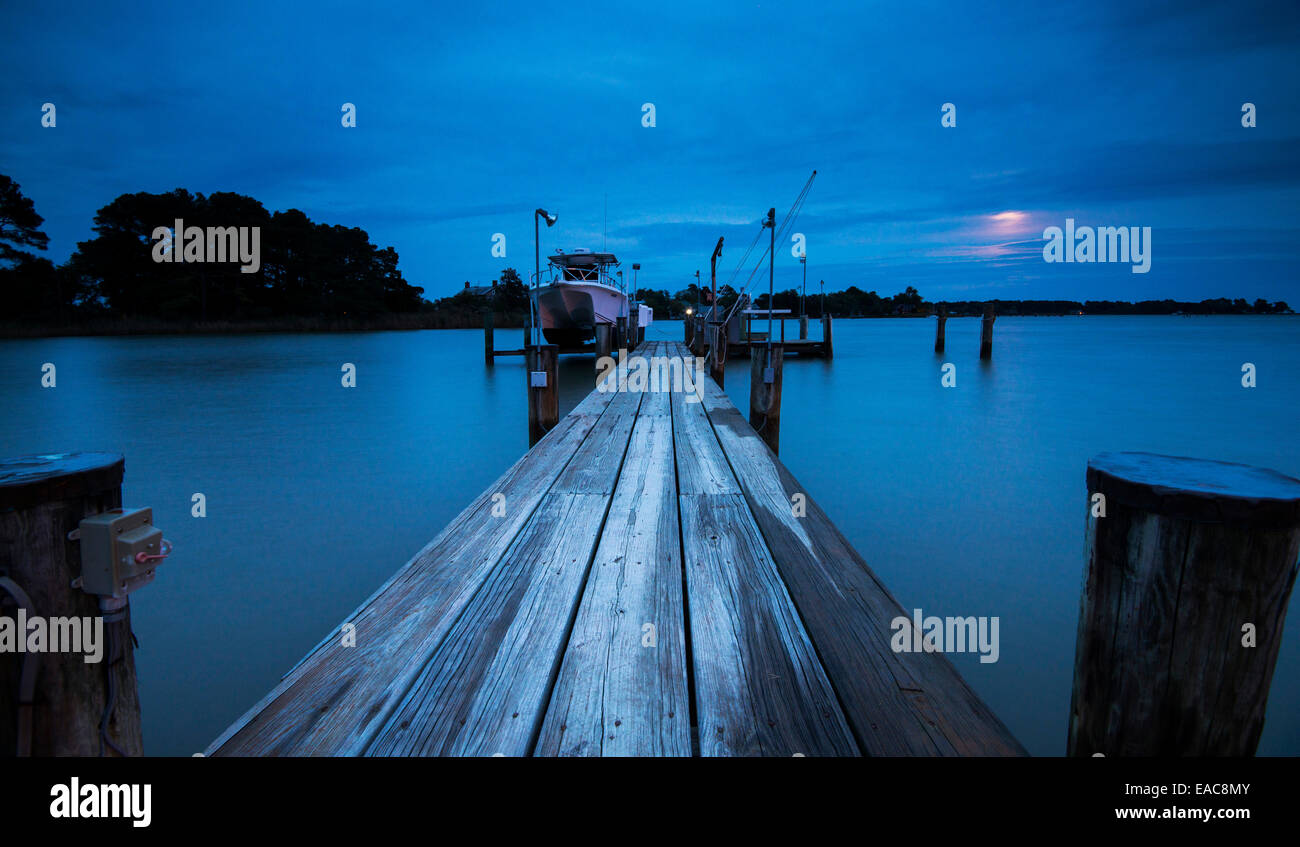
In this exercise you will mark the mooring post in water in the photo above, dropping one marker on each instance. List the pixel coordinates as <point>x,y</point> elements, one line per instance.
<point>718,352</point>
<point>489,358</point>
<point>543,394</point>
<point>803,327</point>
<point>620,334</point>
<point>53,702</point>
<point>604,343</point>
<point>633,328</point>
<point>1189,569</point>
<point>765,392</point>
<point>986,332</point>
<point>828,349</point>
<point>941,318</point>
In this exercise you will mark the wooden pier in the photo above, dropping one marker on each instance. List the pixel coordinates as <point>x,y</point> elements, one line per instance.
<point>648,579</point>
<point>699,336</point>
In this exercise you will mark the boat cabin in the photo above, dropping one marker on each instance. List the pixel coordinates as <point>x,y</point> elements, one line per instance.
<point>584,266</point>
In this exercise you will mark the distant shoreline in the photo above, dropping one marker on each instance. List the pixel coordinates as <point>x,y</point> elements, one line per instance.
<point>151,326</point>
<point>108,327</point>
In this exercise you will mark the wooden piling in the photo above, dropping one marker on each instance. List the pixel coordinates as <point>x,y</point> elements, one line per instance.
<point>687,326</point>
<point>986,332</point>
<point>1188,575</point>
<point>941,318</point>
<point>489,350</point>
<point>803,327</point>
<point>620,334</point>
<point>764,396</point>
<point>53,703</point>
<point>604,343</point>
<point>543,395</point>
<point>718,353</point>
<point>828,349</point>
<point>633,328</point>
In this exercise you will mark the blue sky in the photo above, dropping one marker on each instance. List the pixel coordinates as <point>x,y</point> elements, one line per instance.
<point>469,116</point>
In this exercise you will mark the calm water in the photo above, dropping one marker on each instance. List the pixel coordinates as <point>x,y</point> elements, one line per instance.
<point>966,501</point>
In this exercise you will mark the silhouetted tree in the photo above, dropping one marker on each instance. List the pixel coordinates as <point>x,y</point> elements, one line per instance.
<point>306,269</point>
<point>20,226</point>
<point>31,287</point>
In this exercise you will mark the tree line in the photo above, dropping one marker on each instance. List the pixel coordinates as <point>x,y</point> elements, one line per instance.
<point>853,302</point>
<point>305,269</point>
<point>310,271</point>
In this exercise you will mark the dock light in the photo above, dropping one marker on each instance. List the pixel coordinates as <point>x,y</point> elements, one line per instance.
<point>689,311</point>
<point>537,268</point>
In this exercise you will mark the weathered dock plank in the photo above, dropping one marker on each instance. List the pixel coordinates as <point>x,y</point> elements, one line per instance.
<point>760,689</point>
<point>622,688</point>
<point>486,686</point>
<point>897,703</point>
<point>337,697</point>
<point>521,629</point>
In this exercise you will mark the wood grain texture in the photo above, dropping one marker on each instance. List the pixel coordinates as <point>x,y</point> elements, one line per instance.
<point>765,397</point>
<point>337,698</point>
<point>897,703</point>
<point>760,689</point>
<point>617,695</point>
<point>43,499</point>
<point>523,634</point>
<point>543,401</point>
<point>1160,664</point>
<point>718,353</point>
<point>484,690</point>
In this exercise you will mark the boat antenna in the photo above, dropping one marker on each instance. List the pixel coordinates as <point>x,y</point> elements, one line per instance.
<point>604,239</point>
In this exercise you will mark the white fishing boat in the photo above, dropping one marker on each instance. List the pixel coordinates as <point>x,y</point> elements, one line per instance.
<point>581,290</point>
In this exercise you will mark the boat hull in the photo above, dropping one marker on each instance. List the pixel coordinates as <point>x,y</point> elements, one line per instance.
<point>569,312</point>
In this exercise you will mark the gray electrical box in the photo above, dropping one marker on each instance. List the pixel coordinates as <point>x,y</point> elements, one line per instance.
<point>120,549</point>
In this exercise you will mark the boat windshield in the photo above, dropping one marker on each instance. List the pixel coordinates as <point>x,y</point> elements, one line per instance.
<point>584,267</point>
<point>577,273</point>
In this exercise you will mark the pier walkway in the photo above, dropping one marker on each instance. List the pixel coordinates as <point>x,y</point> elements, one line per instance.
<point>636,584</point>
